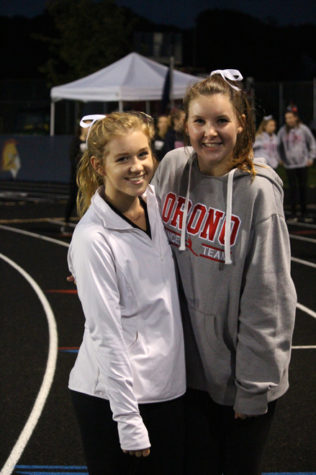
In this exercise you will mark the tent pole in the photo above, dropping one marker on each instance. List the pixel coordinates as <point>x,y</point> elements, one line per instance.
<point>171,81</point>
<point>148,107</point>
<point>52,118</point>
<point>120,106</point>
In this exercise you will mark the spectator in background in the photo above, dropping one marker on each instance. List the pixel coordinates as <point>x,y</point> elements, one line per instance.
<point>159,138</point>
<point>175,136</point>
<point>297,148</point>
<point>77,147</point>
<point>266,143</point>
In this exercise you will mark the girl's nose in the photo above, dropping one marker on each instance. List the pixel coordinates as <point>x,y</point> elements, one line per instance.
<point>210,130</point>
<point>136,166</point>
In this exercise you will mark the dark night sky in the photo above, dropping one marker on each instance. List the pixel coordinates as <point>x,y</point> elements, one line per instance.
<point>183,12</point>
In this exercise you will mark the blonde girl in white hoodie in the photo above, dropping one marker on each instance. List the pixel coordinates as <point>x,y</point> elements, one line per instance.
<point>129,377</point>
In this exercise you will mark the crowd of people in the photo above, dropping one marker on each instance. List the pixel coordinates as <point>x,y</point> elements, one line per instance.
<point>181,259</point>
<point>294,148</point>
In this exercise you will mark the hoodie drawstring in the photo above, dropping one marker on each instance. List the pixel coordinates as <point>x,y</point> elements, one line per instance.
<point>229,206</point>
<point>185,212</point>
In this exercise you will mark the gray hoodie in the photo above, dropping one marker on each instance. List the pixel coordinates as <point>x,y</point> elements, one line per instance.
<point>296,146</point>
<point>241,302</point>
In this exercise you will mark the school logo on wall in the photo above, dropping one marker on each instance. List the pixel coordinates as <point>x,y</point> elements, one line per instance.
<point>206,224</point>
<point>10,158</point>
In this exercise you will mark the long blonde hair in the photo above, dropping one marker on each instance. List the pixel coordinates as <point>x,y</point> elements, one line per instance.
<point>102,132</point>
<point>243,151</point>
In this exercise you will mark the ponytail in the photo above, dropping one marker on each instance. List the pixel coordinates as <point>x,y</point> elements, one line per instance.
<point>88,182</point>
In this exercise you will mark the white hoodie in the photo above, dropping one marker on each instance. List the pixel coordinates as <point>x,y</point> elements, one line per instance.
<point>132,350</point>
<point>266,146</point>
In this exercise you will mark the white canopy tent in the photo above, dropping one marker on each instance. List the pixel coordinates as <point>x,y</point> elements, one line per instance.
<point>132,78</point>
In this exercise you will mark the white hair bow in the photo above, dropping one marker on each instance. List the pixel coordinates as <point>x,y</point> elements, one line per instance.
<point>229,75</point>
<point>268,117</point>
<point>89,120</point>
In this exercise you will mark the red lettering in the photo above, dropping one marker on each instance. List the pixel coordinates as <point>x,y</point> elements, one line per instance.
<point>211,224</point>
<point>196,219</point>
<point>233,234</point>
<point>177,218</point>
<point>168,207</point>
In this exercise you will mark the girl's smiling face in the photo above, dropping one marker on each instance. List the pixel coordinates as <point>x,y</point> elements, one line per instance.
<point>127,167</point>
<point>212,126</point>
<point>270,127</point>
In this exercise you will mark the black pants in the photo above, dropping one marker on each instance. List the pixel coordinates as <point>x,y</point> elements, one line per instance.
<point>297,178</point>
<point>73,190</point>
<point>165,425</point>
<point>216,443</point>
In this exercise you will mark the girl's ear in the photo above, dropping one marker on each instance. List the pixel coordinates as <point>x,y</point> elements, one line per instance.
<point>97,165</point>
<point>242,124</point>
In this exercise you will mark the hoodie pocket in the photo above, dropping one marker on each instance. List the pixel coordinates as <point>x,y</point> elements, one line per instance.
<point>215,347</point>
<point>215,332</point>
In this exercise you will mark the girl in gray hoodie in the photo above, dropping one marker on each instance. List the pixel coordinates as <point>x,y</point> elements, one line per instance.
<point>223,214</point>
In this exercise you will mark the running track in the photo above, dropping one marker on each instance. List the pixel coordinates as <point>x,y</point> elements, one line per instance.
<point>41,327</point>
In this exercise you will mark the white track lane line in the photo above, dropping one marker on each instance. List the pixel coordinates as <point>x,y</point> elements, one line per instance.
<point>62,223</point>
<point>307,347</point>
<point>302,238</point>
<point>306,310</point>
<point>305,263</point>
<point>37,409</point>
<point>303,225</point>
<point>62,243</point>
<point>38,236</point>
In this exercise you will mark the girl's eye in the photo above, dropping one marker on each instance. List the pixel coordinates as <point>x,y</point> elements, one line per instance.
<point>199,121</point>
<point>144,154</point>
<point>122,159</point>
<point>222,120</point>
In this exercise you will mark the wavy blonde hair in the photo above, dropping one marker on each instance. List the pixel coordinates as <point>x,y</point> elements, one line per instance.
<point>116,124</point>
<point>243,151</point>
